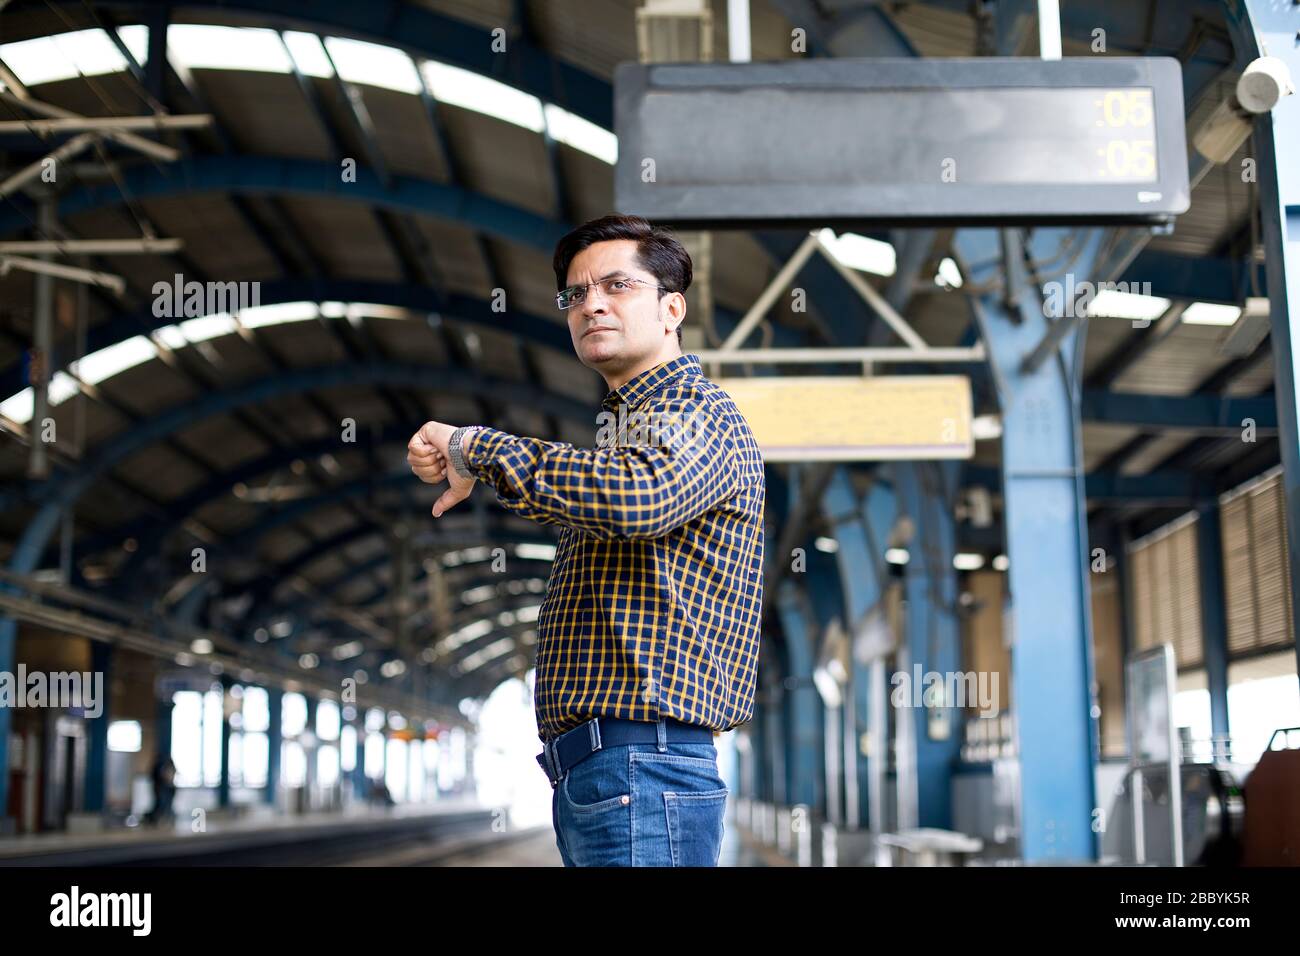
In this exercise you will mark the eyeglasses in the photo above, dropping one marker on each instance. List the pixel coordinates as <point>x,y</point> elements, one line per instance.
<point>613,286</point>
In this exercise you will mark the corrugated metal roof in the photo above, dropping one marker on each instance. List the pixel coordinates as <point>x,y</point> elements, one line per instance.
<point>1178,365</point>
<point>937,33</point>
<point>266,114</point>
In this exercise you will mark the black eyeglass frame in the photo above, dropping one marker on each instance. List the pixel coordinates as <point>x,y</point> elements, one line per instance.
<point>559,296</point>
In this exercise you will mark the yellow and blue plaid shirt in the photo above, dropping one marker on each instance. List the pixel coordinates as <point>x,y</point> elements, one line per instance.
<point>654,599</point>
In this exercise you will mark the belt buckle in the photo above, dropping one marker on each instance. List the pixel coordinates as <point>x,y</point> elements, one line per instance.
<point>552,761</point>
<point>550,754</point>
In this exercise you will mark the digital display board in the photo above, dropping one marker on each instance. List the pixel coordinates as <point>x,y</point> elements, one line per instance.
<point>820,142</point>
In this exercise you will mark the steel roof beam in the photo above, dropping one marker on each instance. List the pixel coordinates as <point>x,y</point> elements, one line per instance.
<point>65,491</point>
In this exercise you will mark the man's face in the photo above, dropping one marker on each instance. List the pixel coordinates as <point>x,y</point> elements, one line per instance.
<point>612,333</point>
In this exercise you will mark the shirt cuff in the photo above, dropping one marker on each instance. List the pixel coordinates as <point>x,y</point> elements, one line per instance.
<point>480,447</point>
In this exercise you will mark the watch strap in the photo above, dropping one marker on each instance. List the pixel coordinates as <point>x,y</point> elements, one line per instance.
<point>455,450</point>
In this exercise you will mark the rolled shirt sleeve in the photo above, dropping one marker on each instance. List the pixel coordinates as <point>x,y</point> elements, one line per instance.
<point>683,462</point>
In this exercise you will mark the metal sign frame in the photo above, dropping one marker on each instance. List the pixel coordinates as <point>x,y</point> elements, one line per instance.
<point>751,205</point>
<point>1159,662</point>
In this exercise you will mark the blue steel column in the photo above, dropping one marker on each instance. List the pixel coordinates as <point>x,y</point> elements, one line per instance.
<point>359,788</point>
<point>825,596</point>
<point>767,700</point>
<point>309,753</point>
<point>101,660</point>
<point>223,781</point>
<point>758,741</point>
<point>274,700</point>
<point>879,513</point>
<point>774,742</point>
<point>766,764</point>
<point>825,603</point>
<point>8,641</point>
<point>803,733</point>
<point>944,752</point>
<point>931,633</point>
<point>162,731</point>
<point>1275,25</point>
<point>1214,621</point>
<point>1046,533</point>
<point>860,590</point>
<point>860,528</point>
<point>1122,541</point>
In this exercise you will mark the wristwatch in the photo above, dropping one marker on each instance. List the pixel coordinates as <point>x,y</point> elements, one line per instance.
<point>455,454</point>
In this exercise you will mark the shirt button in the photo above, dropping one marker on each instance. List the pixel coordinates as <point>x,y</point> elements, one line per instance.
<point>626,799</point>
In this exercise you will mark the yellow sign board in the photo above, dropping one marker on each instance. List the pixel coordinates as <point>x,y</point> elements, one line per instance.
<point>843,418</point>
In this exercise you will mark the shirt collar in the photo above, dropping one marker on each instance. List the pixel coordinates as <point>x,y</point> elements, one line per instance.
<point>631,392</point>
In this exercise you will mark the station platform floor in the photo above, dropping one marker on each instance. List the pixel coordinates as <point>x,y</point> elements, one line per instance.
<point>257,832</point>
<point>452,832</point>
<point>537,848</point>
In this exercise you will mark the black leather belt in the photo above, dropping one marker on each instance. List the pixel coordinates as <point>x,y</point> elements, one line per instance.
<point>574,746</point>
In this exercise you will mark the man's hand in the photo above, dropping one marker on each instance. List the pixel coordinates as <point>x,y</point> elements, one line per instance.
<point>427,455</point>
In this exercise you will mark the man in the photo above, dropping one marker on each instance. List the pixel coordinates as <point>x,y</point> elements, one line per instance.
<point>648,635</point>
<point>163,776</point>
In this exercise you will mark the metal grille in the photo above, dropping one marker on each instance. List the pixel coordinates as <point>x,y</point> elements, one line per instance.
<point>1166,595</point>
<point>1256,568</point>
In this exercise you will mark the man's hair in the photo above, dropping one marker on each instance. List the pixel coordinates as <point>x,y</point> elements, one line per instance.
<point>657,251</point>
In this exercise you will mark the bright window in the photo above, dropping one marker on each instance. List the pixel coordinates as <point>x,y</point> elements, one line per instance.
<point>213,714</point>
<point>256,710</point>
<point>348,745</point>
<point>1192,710</point>
<point>187,738</point>
<point>256,753</point>
<point>327,720</point>
<point>293,764</point>
<point>293,715</point>
<point>415,774</point>
<point>374,755</point>
<point>395,772</point>
<point>124,736</point>
<point>327,765</point>
<point>1263,696</point>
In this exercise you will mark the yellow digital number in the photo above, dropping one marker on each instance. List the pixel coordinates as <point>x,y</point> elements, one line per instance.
<point>1127,107</point>
<point>1131,157</point>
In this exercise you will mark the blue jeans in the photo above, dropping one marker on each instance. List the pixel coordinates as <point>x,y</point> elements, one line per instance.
<point>638,805</point>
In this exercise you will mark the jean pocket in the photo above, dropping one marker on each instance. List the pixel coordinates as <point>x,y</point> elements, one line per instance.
<point>690,771</point>
<point>695,826</point>
<point>693,797</point>
<point>597,784</point>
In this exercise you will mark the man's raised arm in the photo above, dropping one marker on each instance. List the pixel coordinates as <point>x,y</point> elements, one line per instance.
<point>633,491</point>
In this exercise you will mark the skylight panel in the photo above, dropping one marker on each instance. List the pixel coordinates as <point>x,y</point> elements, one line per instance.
<point>1113,304</point>
<point>450,84</point>
<point>374,64</point>
<point>573,130</point>
<point>114,359</point>
<point>203,46</point>
<point>1211,313</point>
<point>861,252</point>
<point>63,56</point>
<point>308,54</point>
<point>278,314</point>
